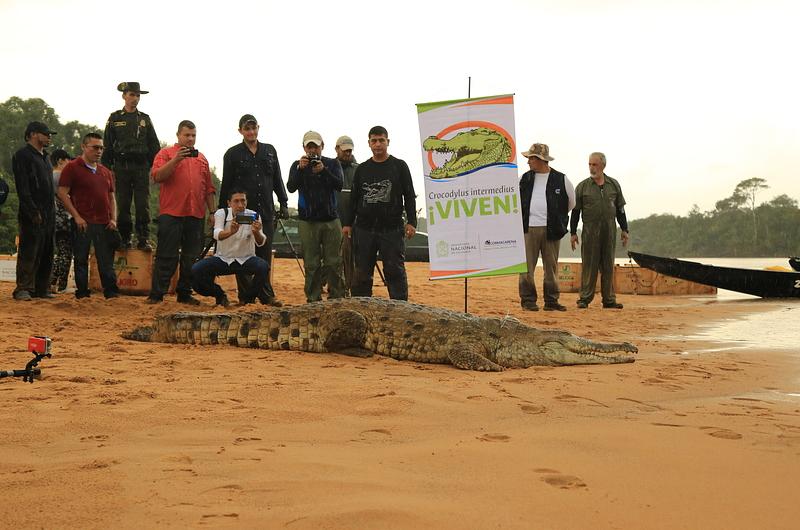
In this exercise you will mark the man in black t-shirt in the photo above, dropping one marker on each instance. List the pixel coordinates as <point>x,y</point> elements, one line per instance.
<point>382,190</point>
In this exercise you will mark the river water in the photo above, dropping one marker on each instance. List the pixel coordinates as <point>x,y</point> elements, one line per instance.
<point>777,327</point>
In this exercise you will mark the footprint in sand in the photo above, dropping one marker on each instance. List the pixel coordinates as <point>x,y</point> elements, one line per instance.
<point>721,433</point>
<point>533,409</point>
<point>565,482</point>
<point>493,438</point>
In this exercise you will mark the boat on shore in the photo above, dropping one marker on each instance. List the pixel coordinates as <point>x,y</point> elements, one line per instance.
<point>763,283</point>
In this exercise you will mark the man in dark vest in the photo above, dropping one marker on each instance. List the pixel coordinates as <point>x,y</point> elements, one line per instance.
<point>131,144</point>
<point>547,197</point>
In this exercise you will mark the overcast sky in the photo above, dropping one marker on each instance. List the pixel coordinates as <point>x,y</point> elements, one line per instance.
<point>686,97</point>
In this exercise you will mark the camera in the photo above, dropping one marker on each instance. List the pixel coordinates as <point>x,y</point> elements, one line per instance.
<point>39,344</point>
<point>245,218</point>
<point>193,153</point>
<point>313,159</point>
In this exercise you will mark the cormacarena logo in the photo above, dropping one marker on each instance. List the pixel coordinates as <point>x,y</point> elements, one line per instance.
<point>490,243</point>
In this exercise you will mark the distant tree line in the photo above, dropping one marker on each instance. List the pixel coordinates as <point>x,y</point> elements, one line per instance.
<point>738,226</point>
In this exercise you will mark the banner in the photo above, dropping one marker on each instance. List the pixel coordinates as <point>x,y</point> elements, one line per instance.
<point>469,157</point>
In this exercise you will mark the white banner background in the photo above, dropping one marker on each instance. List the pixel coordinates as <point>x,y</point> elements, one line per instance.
<point>473,209</point>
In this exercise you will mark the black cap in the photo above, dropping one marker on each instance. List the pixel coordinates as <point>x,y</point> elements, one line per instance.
<point>37,127</point>
<point>131,86</point>
<point>247,118</point>
<point>59,154</point>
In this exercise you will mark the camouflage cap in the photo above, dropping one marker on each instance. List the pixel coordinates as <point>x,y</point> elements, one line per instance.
<point>131,86</point>
<point>312,137</point>
<point>344,142</point>
<point>540,151</point>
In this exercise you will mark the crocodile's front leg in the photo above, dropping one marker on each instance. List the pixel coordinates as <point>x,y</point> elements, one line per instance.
<point>465,355</point>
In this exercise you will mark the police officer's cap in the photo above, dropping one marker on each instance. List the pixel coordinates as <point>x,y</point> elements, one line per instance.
<point>131,86</point>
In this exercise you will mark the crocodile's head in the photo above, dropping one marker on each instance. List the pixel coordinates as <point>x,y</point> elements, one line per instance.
<point>516,344</point>
<point>471,150</point>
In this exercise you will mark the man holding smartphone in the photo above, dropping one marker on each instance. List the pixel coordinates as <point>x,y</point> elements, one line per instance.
<point>238,232</point>
<point>186,192</point>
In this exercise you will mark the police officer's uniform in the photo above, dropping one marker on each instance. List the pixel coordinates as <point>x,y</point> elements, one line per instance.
<point>131,144</point>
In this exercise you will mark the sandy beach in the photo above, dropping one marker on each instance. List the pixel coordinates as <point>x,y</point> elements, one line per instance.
<point>119,434</point>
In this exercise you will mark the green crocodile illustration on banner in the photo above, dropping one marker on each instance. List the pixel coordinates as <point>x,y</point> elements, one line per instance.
<point>471,150</point>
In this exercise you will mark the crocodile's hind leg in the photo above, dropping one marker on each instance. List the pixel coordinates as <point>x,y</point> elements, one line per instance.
<point>344,332</point>
<point>463,356</point>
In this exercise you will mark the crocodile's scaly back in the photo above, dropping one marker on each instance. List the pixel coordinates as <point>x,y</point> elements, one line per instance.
<point>397,329</point>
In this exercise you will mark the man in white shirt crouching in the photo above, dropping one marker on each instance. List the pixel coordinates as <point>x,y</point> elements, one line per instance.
<point>238,233</point>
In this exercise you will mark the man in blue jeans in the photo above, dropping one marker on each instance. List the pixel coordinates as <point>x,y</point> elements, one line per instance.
<point>238,232</point>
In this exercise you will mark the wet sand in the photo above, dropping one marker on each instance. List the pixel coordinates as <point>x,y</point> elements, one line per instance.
<point>120,434</point>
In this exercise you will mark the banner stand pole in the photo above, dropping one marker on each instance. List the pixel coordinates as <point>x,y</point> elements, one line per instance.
<point>469,90</point>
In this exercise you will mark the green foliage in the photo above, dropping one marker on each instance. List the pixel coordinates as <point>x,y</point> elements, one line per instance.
<point>15,114</point>
<point>737,227</point>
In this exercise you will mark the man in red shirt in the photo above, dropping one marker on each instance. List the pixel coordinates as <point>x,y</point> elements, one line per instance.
<point>186,193</point>
<point>86,188</point>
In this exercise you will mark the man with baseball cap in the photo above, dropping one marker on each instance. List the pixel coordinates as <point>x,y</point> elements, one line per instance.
<point>317,178</point>
<point>33,175</point>
<point>344,154</point>
<point>131,145</point>
<point>547,197</point>
<point>253,167</point>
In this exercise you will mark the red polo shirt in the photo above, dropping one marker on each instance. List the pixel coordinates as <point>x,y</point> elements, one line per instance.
<point>89,190</point>
<point>184,193</point>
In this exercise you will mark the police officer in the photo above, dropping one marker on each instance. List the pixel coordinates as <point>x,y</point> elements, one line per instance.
<point>600,199</point>
<point>131,144</point>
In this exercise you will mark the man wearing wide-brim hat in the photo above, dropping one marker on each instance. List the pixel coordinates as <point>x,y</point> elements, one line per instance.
<point>33,176</point>
<point>131,144</point>
<point>547,197</point>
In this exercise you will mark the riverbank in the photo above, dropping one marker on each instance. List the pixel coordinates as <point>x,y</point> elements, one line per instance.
<point>695,434</point>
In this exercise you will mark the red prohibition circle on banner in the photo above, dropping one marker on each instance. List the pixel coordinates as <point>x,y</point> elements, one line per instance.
<point>474,124</point>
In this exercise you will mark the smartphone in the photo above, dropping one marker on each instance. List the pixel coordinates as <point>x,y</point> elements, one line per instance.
<point>245,218</point>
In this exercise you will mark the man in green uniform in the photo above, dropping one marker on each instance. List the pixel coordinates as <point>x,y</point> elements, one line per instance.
<point>131,144</point>
<point>344,154</point>
<point>600,199</point>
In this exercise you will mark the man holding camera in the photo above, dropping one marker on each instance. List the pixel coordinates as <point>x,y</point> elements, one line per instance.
<point>33,175</point>
<point>238,233</point>
<point>317,179</point>
<point>186,192</point>
<point>253,166</point>
<point>131,143</point>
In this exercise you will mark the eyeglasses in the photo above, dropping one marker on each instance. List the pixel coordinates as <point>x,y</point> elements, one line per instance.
<point>96,147</point>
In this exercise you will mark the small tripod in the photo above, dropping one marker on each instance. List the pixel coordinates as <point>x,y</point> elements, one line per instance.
<point>30,371</point>
<point>39,346</point>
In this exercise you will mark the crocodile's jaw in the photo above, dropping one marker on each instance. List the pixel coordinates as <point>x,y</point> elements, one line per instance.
<point>559,355</point>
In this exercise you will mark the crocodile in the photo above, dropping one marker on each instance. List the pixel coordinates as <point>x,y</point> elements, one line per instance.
<point>471,150</point>
<point>394,328</point>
